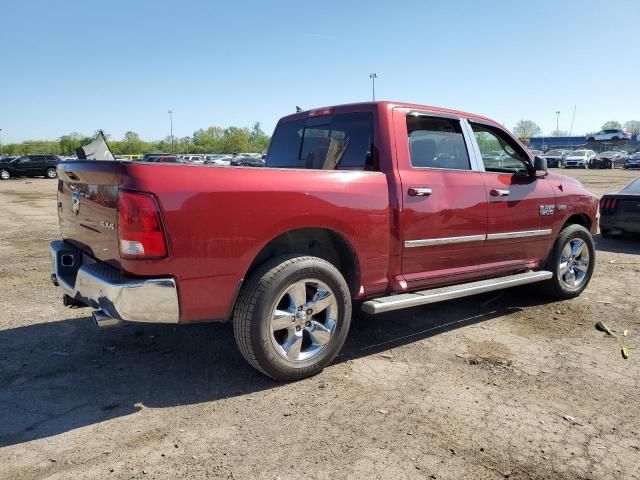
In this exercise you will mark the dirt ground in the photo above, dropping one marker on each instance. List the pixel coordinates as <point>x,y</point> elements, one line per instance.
<point>495,386</point>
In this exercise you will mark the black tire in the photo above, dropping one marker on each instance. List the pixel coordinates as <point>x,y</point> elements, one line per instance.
<point>51,173</point>
<point>260,296</point>
<point>591,139</point>
<point>5,174</point>
<point>555,286</point>
<point>615,138</point>
<point>606,234</point>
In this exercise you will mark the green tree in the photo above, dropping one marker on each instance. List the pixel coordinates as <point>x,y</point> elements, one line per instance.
<point>611,125</point>
<point>526,129</point>
<point>633,127</point>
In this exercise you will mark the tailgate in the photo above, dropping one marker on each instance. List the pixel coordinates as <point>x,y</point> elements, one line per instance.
<point>88,207</point>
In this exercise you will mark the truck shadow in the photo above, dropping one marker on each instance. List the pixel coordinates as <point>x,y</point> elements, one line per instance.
<point>625,244</point>
<point>62,375</point>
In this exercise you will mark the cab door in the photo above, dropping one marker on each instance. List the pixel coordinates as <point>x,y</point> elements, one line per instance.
<point>520,206</point>
<point>444,202</point>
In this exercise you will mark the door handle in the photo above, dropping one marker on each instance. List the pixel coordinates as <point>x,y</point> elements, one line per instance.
<point>419,192</point>
<point>499,192</point>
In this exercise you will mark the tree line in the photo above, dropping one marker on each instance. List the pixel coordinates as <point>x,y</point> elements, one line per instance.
<point>526,129</point>
<point>209,140</point>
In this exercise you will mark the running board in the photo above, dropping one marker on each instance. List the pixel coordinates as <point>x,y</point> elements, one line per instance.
<point>424,297</point>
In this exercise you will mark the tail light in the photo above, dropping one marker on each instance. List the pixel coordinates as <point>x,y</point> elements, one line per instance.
<point>608,205</point>
<point>321,111</point>
<point>140,231</point>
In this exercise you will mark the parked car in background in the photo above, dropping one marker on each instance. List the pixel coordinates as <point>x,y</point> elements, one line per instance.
<point>377,205</point>
<point>197,159</point>
<point>147,156</point>
<point>609,134</point>
<point>247,162</point>
<point>165,159</point>
<point>536,152</point>
<point>609,159</point>
<point>555,157</point>
<point>579,159</point>
<point>29,166</point>
<point>219,160</point>
<point>620,212</point>
<point>633,161</point>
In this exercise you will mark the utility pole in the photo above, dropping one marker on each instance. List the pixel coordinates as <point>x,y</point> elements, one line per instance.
<point>373,77</point>
<point>171,127</point>
<point>557,121</point>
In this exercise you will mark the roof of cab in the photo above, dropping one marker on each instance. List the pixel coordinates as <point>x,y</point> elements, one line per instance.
<point>388,105</point>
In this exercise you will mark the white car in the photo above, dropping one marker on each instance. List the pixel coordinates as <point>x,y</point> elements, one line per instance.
<point>609,134</point>
<point>579,159</point>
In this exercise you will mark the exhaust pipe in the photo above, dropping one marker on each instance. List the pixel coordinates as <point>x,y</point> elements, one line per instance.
<point>105,321</point>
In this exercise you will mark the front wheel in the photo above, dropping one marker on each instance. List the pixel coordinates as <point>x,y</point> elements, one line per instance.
<point>52,173</point>
<point>292,317</point>
<point>571,261</point>
<point>5,174</point>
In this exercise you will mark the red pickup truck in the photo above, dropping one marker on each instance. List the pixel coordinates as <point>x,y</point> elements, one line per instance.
<point>381,205</point>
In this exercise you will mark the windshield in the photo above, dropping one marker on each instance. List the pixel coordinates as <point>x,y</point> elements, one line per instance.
<point>578,153</point>
<point>555,152</point>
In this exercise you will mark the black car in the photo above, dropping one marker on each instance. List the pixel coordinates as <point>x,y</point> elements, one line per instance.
<point>29,166</point>
<point>247,162</point>
<point>633,161</point>
<point>555,157</point>
<point>620,212</point>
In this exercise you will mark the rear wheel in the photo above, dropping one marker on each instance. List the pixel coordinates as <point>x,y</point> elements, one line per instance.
<point>52,173</point>
<point>292,317</point>
<point>5,174</point>
<point>571,261</point>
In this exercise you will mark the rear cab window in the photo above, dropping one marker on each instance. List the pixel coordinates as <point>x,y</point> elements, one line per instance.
<point>329,142</point>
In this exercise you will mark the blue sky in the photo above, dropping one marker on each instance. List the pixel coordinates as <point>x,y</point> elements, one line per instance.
<point>232,63</point>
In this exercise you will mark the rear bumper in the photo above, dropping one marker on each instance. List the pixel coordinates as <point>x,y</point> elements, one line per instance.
<point>98,285</point>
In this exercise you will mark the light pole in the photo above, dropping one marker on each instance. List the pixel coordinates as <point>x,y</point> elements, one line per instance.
<point>557,120</point>
<point>373,77</point>
<point>171,127</point>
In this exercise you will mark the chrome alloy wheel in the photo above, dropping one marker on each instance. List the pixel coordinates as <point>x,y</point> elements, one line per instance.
<point>51,173</point>
<point>5,175</point>
<point>303,320</point>
<point>574,263</point>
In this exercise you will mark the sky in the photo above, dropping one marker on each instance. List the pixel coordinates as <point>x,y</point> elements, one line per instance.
<point>82,65</point>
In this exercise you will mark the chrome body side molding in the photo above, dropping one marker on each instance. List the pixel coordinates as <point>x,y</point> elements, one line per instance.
<point>428,242</point>
<point>522,234</point>
<point>443,241</point>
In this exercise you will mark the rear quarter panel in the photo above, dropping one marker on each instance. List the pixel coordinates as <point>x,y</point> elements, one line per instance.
<point>219,218</point>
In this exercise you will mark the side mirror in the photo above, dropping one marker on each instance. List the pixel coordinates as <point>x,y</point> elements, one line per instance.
<point>540,167</point>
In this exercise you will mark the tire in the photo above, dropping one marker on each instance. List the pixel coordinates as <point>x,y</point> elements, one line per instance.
<point>591,139</point>
<point>615,138</point>
<point>308,341</point>
<point>561,264</point>
<point>5,174</point>
<point>51,173</point>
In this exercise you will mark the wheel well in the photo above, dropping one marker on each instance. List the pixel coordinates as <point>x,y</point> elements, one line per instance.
<point>317,242</point>
<point>580,219</point>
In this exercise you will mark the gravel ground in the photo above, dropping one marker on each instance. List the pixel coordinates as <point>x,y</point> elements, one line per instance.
<point>495,386</point>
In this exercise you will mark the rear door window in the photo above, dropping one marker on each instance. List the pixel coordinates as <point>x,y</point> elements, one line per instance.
<point>437,143</point>
<point>332,142</point>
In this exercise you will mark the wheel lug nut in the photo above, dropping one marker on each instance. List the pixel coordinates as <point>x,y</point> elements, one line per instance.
<point>297,328</point>
<point>309,311</point>
<point>308,324</point>
<point>300,308</point>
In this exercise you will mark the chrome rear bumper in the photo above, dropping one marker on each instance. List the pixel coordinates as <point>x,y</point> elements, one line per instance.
<point>98,285</point>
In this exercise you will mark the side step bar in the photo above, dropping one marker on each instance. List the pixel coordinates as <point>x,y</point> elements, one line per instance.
<point>424,297</point>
